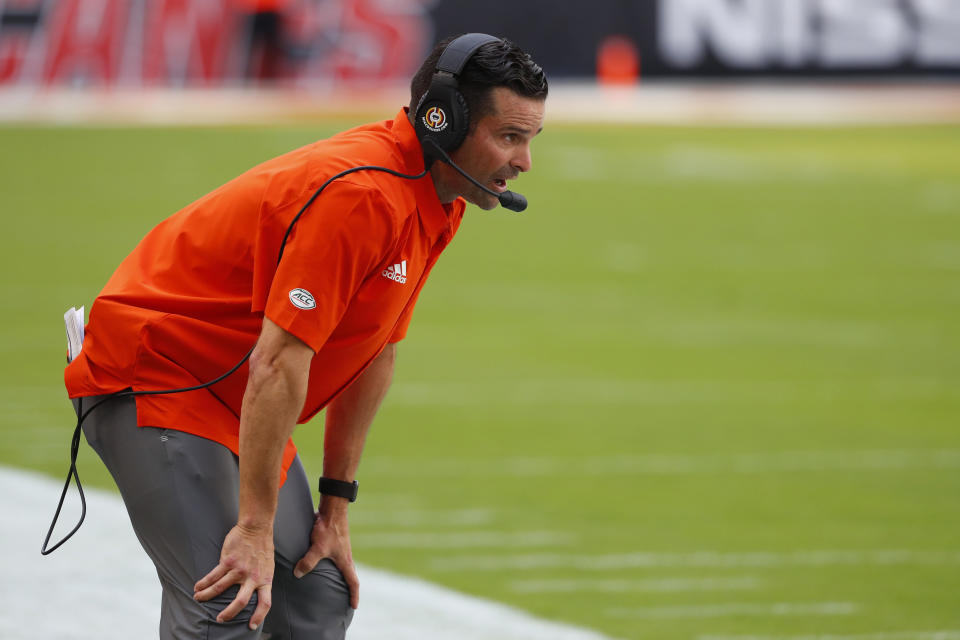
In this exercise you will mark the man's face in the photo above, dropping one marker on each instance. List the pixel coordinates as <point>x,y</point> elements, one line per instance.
<point>495,151</point>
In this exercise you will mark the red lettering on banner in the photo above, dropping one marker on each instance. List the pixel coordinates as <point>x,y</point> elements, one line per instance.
<point>187,42</point>
<point>85,41</point>
<point>13,51</point>
<point>204,42</point>
<point>359,41</point>
<point>382,41</point>
<point>19,26</point>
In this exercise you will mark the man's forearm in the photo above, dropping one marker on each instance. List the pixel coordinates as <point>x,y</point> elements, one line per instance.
<point>271,404</point>
<point>350,415</point>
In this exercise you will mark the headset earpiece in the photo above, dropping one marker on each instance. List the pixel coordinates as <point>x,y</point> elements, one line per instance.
<point>442,114</point>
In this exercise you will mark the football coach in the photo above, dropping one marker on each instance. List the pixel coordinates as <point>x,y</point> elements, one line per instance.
<point>310,264</point>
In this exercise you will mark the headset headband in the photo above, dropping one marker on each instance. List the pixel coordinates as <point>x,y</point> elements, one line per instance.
<point>454,58</point>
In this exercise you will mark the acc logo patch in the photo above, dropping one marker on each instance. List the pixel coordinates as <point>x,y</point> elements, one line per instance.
<point>435,119</point>
<point>302,299</point>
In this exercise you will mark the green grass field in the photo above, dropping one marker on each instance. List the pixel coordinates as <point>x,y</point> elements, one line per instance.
<point>707,386</point>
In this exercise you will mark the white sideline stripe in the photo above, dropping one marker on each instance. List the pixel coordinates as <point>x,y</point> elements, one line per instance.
<point>700,559</point>
<point>100,585</point>
<point>738,609</point>
<point>650,585</point>
<point>663,464</point>
<point>947,634</point>
<point>461,539</point>
<point>752,104</point>
<point>660,102</point>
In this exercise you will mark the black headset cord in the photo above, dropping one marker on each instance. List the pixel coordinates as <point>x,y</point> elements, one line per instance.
<point>82,415</point>
<point>75,448</point>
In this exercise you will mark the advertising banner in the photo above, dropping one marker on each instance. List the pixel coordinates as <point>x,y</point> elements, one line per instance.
<point>213,43</point>
<point>728,38</point>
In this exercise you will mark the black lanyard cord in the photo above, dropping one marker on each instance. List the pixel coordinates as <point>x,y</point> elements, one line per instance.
<point>82,415</point>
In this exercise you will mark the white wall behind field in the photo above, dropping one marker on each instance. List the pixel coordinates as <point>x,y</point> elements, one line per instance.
<point>100,585</point>
<point>755,103</point>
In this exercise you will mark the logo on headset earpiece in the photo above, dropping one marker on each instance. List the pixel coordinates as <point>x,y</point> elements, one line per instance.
<point>435,119</point>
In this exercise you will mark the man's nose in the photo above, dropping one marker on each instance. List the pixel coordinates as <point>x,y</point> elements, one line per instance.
<point>522,161</point>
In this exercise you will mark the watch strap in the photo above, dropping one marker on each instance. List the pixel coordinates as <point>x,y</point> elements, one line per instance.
<point>339,488</point>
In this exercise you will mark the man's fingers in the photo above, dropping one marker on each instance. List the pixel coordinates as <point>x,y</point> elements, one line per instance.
<point>346,567</point>
<point>215,574</point>
<point>247,588</point>
<point>228,580</point>
<point>243,597</point>
<point>263,606</point>
<point>353,583</point>
<point>308,561</point>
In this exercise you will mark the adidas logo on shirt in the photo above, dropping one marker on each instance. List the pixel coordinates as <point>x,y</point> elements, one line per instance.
<point>397,273</point>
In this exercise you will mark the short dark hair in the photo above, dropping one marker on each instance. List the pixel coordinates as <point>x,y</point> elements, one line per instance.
<point>495,64</point>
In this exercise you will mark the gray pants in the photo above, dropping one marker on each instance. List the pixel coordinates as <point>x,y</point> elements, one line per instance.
<point>180,491</point>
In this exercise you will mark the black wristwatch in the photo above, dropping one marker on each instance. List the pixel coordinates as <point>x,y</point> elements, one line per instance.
<point>339,488</point>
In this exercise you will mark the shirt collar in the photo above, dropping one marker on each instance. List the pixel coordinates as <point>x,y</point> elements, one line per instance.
<point>438,219</point>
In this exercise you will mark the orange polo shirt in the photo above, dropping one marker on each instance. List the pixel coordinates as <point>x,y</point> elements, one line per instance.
<point>189,301</point>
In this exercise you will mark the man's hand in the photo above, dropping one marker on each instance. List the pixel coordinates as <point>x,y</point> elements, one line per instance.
<point>245,559</point>
<point>330,538</point>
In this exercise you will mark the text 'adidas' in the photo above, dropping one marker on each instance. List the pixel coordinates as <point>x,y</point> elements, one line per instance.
<point>397,272</point>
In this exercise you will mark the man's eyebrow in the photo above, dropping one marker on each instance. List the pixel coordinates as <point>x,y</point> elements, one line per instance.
<point>514,128</point>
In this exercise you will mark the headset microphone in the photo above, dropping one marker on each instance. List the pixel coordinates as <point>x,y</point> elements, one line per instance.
<point>508,199</point>
<point>513,201</point>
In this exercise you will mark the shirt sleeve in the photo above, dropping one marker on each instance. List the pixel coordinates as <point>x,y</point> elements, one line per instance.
<point>335,245</point>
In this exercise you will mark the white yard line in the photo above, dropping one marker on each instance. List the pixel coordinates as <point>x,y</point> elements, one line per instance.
<point>696,559</point>
<point>643,391</point>
<point>738,609</point>
<point>101,586</point>
<point>644,585</point>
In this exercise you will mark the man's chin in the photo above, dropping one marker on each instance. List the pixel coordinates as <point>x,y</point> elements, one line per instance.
<point>485,201</point>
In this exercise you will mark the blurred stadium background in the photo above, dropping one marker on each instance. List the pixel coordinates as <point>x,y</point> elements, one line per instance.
<point>707,387</point>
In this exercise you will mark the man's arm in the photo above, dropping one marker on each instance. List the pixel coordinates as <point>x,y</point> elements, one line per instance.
<point>349,418</point>
<point>274,397</point>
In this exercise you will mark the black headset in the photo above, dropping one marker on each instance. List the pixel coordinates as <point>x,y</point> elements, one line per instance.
<point>442,114</point>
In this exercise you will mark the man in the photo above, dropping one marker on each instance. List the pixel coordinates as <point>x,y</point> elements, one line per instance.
<point>325,289</point>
